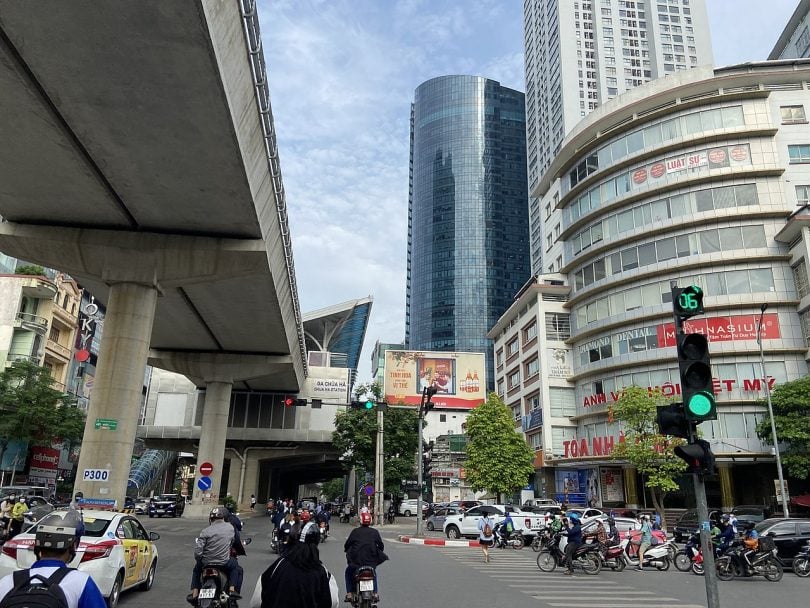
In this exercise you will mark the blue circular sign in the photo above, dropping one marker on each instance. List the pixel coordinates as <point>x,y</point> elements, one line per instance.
<point>369,490</point>
<point>204,483</point>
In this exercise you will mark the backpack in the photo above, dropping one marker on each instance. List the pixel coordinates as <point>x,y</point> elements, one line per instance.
<point>487,530</point>
<point>509,527</point>
<point>44,592</point>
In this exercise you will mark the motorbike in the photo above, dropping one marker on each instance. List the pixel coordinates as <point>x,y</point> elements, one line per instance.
<point>345,517</point>
<point>542,540</point>
<point>274,540</point>
<point>684,558</point>
<point>364,588</point>
<point>656,556</point>
<point>801,563</point>
<point>390,516</point>
<point>613,556</point>
<point>214,589</point>
<point>514,540</point>
<point>763,563</point>
<point>324,529</point>
<point>586,558</point>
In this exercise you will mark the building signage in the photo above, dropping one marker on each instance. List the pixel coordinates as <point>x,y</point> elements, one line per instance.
<point>723,329</point>
<point>444,473</point>
<point>597,446</point>
<point>612,484</point>
<point>558,363</point>
<point>533,420</point>
<point>670,389</point>
<point>44,464</point>
<point>459,378</point>
<point>330,384</point>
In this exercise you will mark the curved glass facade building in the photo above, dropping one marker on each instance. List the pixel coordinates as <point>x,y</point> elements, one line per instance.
<point>467,212</point>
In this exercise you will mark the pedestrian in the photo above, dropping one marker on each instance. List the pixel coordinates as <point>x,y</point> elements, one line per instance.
<point>486,535</point>
<point>5,513</point>
<point>297,579</point>
<point>55,545</point>
<point>646,540</point>
<point>252,502</point>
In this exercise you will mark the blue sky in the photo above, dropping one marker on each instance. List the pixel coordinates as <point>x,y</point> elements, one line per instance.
<point>342,75</point>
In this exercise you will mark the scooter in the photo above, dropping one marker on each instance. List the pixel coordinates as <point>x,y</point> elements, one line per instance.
<point>274,540</point>
<point>514,540</point>
<point>613,556</point>
<point>656,556</point>
<point>684,558</point>
<point>801,563</point>
<point>214,589</point>
<point>763,563</point>
<point>364,596</point>
<point>585,558</point>
<point>324,531</point>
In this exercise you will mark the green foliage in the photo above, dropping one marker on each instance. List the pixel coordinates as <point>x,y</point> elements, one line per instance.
<point>498,459</point>
<point>355,436</point>
<point>229,502</point>
<point>30,269</point>
<point>32,410</point>
<point>643,447</point>
<point>332,489</point>
<point>791,414</point>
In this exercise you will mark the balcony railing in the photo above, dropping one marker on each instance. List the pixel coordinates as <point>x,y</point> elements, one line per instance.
<point>62,351</point>
<point>31,322</point>
<point>15,356</point>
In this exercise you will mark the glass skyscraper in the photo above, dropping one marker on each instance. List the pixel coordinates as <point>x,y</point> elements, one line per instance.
<point>468,226</point>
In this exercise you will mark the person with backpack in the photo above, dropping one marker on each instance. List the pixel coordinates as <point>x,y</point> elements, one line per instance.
<point>49,582</point>
<point>486,537</point>
<point>504,530</point>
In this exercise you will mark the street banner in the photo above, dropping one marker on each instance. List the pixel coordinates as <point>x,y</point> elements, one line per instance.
<point>460,378</point>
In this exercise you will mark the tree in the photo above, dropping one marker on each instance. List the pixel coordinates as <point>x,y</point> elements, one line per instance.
<point>32,410</point>
<point>498,459</point>
<point>791,415</point>
<point>332,489</point>
<point>355,436</point>
<point>651,453</point>
<point>30,269</point>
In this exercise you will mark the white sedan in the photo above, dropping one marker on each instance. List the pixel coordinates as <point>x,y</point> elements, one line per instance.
<point>115,550</point>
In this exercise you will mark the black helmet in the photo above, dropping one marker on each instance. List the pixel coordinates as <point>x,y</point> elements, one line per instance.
<point>310,534</point>
<point>218,513</point>
<point>611,521</point>
<point>749,525</point>
<point>58,531</point>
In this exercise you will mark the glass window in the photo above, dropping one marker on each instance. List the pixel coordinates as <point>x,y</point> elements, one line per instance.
<point>686,244</point>
<point>735,425</point>
<point>737,282</point>
<point>730,238</point>
<point>646,254</point>
<point>629,259</point>
<point>626,221</point>
<point>632,299</point>
<point>803,195</point>
<point>724,197</point>
<point>732,117</point>
<point>635,142</point>
<point>799,154</point>
<point>666,249</point>
<point>792,114</point>
<point>652,135</point>
<point>691,123</point>
<point>746,195</point>
<point>752,237</point>
<point>711,120</point>
<point>709,241</point>
<point>761,279</point>
<point>703,200</point>
<point>800,278</point>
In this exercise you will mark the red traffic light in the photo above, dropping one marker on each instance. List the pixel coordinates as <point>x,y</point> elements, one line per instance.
<point>289,401</point>
<point>698,455</point>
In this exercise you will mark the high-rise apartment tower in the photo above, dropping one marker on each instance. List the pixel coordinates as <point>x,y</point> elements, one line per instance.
<point>467,212</point>
<point>579,54</point>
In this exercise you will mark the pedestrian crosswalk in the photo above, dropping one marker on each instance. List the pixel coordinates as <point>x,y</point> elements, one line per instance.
<point>518,570</point>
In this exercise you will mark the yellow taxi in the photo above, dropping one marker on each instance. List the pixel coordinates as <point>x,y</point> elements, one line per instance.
<point>115,550</point>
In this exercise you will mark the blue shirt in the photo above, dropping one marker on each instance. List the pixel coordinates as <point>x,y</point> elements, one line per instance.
<point>80,590</point>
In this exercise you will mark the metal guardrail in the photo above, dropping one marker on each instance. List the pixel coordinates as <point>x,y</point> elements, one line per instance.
<point>250,20</point>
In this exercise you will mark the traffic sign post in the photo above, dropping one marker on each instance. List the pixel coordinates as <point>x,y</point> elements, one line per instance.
<point>204,483</point>
<point>206,468</point>
<point>369,490</point>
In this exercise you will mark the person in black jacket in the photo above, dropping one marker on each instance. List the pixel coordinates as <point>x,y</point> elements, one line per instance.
<point>299,579</point>
<point>364,547</point>
<point>574,541</point>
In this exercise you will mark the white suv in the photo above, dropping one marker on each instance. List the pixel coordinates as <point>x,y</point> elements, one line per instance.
<point>408,507</point>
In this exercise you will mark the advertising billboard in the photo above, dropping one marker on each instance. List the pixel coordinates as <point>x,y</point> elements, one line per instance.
<point>460,378</point>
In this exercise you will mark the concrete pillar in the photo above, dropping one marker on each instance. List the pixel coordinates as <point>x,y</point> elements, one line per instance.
<point>116,396</point>
<point>726,486</point>
<point>251,480</point>
<point>630,488</point>
<point>212,445</point>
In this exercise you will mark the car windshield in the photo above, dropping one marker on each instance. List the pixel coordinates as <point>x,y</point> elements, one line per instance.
<point>166,497</point>
<point>750,511</point>
<point>763,525</point>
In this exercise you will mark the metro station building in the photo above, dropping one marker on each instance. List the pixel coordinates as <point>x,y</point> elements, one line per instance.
<point>701,177</point>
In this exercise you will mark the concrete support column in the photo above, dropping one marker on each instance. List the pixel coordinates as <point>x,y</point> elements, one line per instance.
<point>250,484</point>
<point>212,445</point>
<point>726,486</point>
<point>118,391</point>
<point>630,488</point>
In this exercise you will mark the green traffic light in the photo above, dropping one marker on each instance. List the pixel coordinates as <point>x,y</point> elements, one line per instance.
<point>700,405</point>
<point>369,404</point>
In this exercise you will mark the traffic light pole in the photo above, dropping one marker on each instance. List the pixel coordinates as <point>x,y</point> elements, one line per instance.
<point>419,466</point>
<point>704,529</point>
<point>379,471</point>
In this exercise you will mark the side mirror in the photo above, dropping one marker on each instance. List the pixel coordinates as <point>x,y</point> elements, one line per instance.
<point>154,536</point>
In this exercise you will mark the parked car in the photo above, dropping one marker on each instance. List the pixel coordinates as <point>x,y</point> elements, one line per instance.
<point>623,524</point>
<point>466,523</point>
<point>586,512</point>
<point>172,505</point>
<point>750,513</point>
<point>534,504</point>
<point>408,507</point>
<point>465,504</point>
<point>115,550</point>
<point>789,535</point>
<point>141,505</point>
<point>687,524</point>
<point>436,521</point>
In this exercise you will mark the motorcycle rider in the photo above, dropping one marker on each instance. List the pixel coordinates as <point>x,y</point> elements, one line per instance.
<point>363,547</point>
<point>751,543</point>
<point>285,533</point>
<point>613,535</point>
<point>556,524</point>
<point>323,517</point>
<point>213,548</point>
<point>504,530</point>
<point>646,541</point>
<point>726,535</point>
<point>5,511</point>
<point>17,517</point>
<point>574,534</point>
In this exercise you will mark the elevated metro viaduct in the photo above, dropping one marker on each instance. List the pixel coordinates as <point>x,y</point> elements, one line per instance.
<point>270,449</point>
<point>139,156</point>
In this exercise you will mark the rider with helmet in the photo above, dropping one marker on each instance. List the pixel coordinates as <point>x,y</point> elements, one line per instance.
<point>297,578</point>
<point>727,534</point>
<point>751,542</point>
<point>213,548</point>
<point>613,536</point>
<point>574,534</point>
<point>55,545</point>
<point>364,547</point>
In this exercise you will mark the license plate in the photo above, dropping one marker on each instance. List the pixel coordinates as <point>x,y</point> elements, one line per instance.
<point>366,585</point>
<point>207,594</point>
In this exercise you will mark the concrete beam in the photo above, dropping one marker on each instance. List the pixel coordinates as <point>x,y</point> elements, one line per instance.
<point>200,367</point>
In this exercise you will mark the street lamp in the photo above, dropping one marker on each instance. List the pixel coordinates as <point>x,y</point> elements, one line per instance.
<point>762,309</point>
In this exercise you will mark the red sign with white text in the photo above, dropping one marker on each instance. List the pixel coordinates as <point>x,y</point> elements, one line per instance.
<point>723,329</point>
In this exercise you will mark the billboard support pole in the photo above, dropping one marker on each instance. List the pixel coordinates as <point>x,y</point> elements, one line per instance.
<point>419,466</point>
<point>379,474</point>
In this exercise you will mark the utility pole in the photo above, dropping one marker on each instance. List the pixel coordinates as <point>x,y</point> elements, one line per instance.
<point>424,406</point>
<point>379,470</point>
